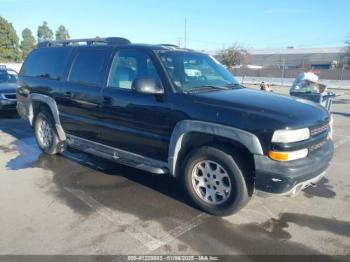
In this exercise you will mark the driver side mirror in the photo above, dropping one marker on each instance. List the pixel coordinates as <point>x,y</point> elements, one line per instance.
<point>146,85</point>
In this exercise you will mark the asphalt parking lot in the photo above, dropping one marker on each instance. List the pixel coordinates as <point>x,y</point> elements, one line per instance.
<point>79,204</point>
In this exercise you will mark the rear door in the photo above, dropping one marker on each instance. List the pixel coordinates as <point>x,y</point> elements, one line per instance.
<point>79,103</point>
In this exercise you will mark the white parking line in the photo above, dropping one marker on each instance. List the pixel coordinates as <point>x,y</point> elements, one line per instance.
<point>184,228</point>
<point>119,220</point>
<point>170,236</point>
<point>149,242</point>
<point>341,135</point>
<point>341,142</point>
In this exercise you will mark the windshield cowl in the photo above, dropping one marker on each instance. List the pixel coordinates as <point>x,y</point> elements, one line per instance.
<point>212,88</point>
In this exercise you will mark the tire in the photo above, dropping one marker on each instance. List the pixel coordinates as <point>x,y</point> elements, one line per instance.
<point>226,179</point>
<point>46,134</point>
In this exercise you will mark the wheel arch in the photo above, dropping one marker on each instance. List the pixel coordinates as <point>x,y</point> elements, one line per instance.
<point>189,134</point>
<point>34,102</point>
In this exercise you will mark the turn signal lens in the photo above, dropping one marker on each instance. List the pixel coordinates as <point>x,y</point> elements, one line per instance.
<point>288,156</point>
<point>279,156</point>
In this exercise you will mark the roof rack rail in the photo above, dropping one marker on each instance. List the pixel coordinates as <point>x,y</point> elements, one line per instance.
<point>170,45</point>
<point>87,41</point>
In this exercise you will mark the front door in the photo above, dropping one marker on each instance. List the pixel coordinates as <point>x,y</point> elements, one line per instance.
<point>139,123</point>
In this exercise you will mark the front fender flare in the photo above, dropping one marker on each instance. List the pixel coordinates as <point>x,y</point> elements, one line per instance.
<point>249,140</point>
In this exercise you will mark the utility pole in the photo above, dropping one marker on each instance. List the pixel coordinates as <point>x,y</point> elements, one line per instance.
<point>179,40</point>
<point>185,33</point>
<point>283,70</point>
<point>342,71</point>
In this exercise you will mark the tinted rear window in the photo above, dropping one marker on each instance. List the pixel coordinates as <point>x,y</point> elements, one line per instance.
<point>46,63</point>
<point>88,67</point>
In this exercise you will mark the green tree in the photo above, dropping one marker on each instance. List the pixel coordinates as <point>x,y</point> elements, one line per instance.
<point>28,42</point>
<point>9,47</point>
<point>44,33</point>
<point>62,33</point>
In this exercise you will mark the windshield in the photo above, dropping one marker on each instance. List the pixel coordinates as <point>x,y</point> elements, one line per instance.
<point>196,71</point>
<point>8,76</point>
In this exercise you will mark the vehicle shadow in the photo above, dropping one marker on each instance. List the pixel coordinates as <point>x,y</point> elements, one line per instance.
<point>341,114</point>
<point>13,125</point>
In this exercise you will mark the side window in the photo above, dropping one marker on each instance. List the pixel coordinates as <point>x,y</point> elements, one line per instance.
<point>88,67</point>
<point>129,65</point>
<point>46,63</point>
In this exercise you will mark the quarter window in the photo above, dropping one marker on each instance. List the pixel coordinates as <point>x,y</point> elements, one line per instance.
<point>129,65</point>
<point>88,67</point>
<point>46,63</point>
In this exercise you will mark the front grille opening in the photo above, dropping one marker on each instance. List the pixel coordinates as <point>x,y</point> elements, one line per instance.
<point>316,146</point>
<point>319,129</point>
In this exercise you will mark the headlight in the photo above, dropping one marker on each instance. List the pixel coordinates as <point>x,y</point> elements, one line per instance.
<point>290,136</point>
<point>288,156</point>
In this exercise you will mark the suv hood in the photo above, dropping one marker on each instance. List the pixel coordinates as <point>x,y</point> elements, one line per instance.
<point>7,87</point>
<point>293,112</point>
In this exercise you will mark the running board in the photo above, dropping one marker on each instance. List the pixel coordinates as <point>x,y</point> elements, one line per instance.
<point>118,155</point>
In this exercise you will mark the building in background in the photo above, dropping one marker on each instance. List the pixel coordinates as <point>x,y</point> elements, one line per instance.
<point>305,58</point>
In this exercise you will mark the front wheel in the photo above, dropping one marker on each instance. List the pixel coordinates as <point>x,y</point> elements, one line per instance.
<point>45,134</point>
<point>214,181</point>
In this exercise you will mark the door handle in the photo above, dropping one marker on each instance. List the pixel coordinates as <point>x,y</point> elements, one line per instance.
<point>107,100</point>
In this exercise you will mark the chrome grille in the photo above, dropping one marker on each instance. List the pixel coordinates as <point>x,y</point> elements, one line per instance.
<point>319,129</point>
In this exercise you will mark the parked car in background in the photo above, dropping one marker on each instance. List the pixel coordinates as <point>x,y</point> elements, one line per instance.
<point>8,79</point>
<point>307,86</point>
<point>169,110</point>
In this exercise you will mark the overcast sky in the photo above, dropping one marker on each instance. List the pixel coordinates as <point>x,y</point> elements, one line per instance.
<point>211,24</point>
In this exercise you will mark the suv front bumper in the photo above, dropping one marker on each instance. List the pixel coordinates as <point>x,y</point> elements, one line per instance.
<point>273,178</point>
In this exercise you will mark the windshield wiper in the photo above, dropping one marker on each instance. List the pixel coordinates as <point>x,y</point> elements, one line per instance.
<point>233,85</point>
<point>206,88</point>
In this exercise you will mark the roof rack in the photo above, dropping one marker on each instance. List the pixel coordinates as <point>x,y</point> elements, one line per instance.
<point>170,46</point>
<point>86,41</point>
<point>175,47</point>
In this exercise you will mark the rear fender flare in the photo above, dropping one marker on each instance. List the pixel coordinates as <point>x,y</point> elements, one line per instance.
<point>51,103</point>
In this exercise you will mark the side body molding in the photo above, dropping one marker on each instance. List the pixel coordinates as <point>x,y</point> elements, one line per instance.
<point>51,103</point>
<point>249,140</point>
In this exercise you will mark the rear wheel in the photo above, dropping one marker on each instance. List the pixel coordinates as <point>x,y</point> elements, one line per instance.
<point>215,181</point>
<point>45,133</point>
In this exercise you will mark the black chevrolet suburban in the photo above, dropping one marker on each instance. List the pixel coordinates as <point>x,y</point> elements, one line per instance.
<point>169,110</point>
